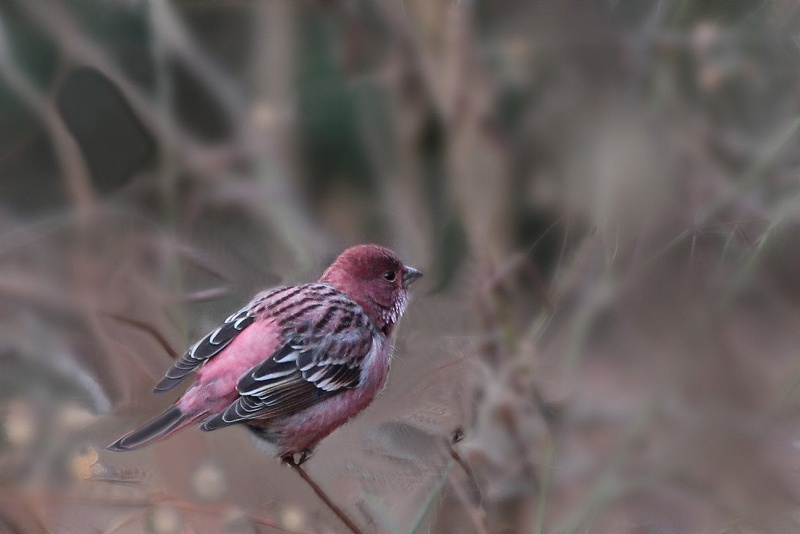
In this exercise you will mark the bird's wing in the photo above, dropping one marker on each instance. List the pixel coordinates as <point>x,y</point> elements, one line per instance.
<point>216,340</point>
<point>324,361</point>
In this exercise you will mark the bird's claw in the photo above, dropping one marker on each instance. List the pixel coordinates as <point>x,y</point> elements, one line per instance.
<point>297,459</point>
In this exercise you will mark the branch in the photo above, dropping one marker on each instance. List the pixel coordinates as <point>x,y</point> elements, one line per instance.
<point>61,26</point>
<point>324,497</point>
<point>76,174</point>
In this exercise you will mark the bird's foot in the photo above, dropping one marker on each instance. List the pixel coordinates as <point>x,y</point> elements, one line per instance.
<point>296,459</point>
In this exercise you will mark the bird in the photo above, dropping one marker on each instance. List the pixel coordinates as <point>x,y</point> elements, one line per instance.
<point>296,363</point>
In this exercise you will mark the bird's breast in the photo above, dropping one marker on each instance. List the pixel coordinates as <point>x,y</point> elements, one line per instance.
<point>305,429</point>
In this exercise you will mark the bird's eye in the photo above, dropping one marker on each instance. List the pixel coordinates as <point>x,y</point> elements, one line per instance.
<point>390,275</point>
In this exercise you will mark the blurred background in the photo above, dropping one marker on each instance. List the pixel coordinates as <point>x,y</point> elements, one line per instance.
<point>603,194</point>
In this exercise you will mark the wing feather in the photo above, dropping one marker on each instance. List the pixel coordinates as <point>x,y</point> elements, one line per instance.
<point>306,370</point>
<point>218,339</point>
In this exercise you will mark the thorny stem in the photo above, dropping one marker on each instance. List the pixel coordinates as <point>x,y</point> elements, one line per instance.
<point>324,497</point>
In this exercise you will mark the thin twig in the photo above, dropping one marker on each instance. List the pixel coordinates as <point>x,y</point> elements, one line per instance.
<point>467,469</point>
<point>178,41</point>
<point>475,510</point>
<point>148,328</point>
<point>81,50</point>
<point>324,497</point>
<point>124,522</point>
<point>546,485</point>
<point>203,295</point>
<point>76,174</point>
<point>431,498</point>
<point>162,499</point>
<point>475,513</point>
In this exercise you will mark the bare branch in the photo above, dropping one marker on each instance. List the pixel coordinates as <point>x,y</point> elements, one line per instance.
<point>76,174</point>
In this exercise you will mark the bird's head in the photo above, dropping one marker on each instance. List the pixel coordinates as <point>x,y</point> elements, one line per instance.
<point>374,277</point>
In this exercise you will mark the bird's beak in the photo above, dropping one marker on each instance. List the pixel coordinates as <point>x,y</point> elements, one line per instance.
<point>409,275</point>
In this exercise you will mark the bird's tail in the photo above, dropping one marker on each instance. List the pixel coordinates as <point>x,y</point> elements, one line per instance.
<point>162,426</point>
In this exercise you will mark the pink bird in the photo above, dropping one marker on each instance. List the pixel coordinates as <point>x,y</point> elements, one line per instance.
<point>297,362</point>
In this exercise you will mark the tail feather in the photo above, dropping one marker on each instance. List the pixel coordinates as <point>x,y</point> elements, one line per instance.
<point>162,426</point>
